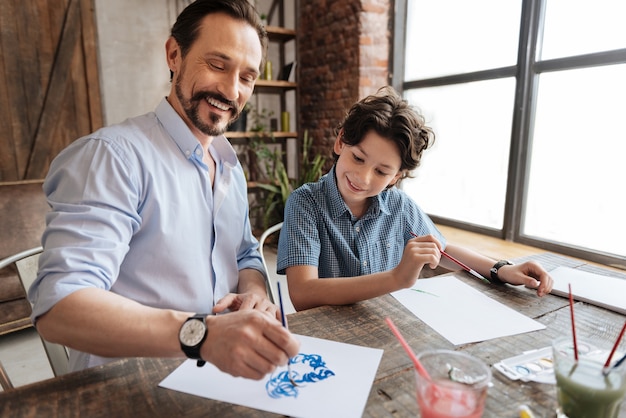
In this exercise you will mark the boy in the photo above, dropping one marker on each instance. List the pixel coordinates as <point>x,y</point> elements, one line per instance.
<point>353,236</point>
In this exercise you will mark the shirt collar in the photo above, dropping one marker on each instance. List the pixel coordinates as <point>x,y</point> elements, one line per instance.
<point>186,141</point>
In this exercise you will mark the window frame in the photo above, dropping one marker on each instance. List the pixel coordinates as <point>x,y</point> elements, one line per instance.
<point>526,73</point>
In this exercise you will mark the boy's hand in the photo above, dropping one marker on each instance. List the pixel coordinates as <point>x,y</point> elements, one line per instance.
<point>418,252</point>
<point>529,274</point>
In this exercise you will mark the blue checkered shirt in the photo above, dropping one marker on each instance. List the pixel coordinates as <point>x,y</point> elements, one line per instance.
<point>319,230</point>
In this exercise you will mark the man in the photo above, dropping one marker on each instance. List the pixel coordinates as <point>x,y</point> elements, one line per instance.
<point>149,222</point>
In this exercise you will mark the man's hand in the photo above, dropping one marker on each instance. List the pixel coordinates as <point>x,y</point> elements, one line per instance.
<point>244,301</point>
<point>248,343</point>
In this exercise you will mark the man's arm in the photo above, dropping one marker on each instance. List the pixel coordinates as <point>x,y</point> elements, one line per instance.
<point>103,323</point>
<point>246,343</point>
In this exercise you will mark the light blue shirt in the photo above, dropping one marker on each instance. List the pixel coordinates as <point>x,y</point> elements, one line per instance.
<point>319,230</point>
<point>133,212</point>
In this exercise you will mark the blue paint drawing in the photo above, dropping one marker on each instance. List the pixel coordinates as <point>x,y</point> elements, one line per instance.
<point>306,369</point>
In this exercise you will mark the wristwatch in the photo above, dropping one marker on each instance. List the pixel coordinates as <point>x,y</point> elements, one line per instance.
<point>495,268</point>
<point>192,334</point>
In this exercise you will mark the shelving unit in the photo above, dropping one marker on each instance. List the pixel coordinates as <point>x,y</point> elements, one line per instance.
<point>278,37</point>
<point>249,135</point>
<point>273,96</point>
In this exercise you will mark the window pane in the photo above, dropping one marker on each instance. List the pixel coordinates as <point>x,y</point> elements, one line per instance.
<point>453,36</point>
<point>576,27</point>
<point>463,176</point>
<point>576,193</point>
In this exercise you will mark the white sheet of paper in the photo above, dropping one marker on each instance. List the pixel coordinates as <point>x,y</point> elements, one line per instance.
<point>460,313</point>
<point>340,383</point>
<point>596,289</point>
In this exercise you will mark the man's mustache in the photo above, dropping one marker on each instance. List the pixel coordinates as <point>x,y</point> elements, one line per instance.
<point>203,95</point>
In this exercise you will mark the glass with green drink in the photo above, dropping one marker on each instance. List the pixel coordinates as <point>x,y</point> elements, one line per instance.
<point>585,388</point>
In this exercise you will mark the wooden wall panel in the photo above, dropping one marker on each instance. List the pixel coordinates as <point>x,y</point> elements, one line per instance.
<point>49,87</point>
<point>23,208</point>
<point>9,80</point>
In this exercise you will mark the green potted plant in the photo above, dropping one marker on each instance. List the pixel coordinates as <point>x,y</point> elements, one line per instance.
<point>260,134</point>
<point>279,185</point>
<point>263,18</point>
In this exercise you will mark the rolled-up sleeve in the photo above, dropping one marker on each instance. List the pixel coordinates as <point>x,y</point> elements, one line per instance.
<point>90,224</point>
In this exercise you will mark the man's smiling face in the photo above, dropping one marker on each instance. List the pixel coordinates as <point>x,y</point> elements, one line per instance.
<point>216,78</point>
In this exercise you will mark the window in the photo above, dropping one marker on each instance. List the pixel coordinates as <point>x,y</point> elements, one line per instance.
<point>526,99</point>
<point>465,153</point>
<point>454,36</point>
<point>576,191</point>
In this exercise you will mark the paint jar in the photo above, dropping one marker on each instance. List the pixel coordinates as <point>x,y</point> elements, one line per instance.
<point>456,385</point>
<point>582,389</point>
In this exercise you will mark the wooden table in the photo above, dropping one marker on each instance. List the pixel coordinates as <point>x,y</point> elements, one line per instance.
<point>129,387</point>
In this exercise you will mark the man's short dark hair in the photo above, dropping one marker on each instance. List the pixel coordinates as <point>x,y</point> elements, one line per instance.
<point>187,26</point>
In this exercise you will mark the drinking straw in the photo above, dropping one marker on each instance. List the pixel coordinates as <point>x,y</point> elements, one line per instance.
<point>408,350</point>
<point>619,339</point>
<point>571,310</point>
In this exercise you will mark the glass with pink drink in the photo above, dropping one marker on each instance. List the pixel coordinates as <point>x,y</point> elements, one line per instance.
<point>456,386</point>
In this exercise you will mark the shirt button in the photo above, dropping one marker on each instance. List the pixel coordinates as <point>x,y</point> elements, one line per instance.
<point>357,229</point>
<point>198,152</point>
<point>187,153</point>
<point>365,264</point>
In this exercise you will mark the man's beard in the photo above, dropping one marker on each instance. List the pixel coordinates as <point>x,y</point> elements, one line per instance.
<point>192,110</point>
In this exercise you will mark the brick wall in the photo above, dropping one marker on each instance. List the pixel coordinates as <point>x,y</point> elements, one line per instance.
<point>343,56</point>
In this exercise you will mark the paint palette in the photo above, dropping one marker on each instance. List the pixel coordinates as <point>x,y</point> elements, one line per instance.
<point>532,366</point>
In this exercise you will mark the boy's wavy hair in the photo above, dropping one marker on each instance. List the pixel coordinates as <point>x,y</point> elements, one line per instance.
<point>187,25</point>
<point>391,117</point>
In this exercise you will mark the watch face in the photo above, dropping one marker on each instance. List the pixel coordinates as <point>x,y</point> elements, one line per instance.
<point>192,332</point>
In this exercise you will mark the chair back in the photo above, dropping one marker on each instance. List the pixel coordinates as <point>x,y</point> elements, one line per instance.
<point>272,277</point>
<point>27,263</point>
<point>272,290</point>
<point>5,382</point>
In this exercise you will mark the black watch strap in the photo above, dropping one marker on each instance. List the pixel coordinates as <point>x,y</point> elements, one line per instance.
<point>494,270</point>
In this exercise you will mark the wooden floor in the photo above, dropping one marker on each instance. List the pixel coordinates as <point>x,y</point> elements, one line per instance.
<point>491,247</point>
<point>494,247</point>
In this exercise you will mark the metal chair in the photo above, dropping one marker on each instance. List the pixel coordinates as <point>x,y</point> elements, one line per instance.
<point>26,263</point>
<point>272,290</point>
<point>5,382</point>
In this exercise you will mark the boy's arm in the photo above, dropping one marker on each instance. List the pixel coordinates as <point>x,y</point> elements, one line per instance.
<point>530,274</point>
<point>307,290</point>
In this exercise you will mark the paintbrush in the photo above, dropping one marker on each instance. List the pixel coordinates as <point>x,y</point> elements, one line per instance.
<point>616,365</point>
<point>283,319</point>
<point>608,360</point>
<point>571,313</point>
<point>463,266</point>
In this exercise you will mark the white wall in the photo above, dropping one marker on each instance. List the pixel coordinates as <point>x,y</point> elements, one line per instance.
<point>131,50</point>
<point>131,45</point>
